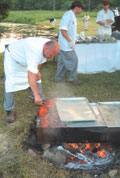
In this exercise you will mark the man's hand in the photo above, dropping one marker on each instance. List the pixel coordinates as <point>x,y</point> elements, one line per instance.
<point>109,21</point>
<point>72,45</point>
<point>38,100</point>
<point>101,23</point>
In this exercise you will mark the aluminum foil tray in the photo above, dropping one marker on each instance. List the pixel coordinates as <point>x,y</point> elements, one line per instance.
<point>75,109</point>
<point>110,112</point>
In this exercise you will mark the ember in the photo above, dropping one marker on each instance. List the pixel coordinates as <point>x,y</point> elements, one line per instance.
<point>48,115</point>
<point>87,158</point>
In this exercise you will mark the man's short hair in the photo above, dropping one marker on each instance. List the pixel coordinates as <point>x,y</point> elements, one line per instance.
<point>52,44</point>
<point>105,3</point>
<point>77,4</point>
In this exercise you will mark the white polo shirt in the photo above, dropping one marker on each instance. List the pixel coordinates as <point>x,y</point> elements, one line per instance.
<point>68,23</point>
<point>102,16</point>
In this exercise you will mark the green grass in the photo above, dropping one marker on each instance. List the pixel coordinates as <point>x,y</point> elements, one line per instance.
<point>32,17</point>
<point>40,17</point>
<point>16,162</point>
<point>37,16</point>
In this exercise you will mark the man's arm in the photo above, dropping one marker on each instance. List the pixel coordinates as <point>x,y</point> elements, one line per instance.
<point>39,66</point>
<point>32,79</point>
<point>99,19</point>
<point>109,20</point>
<point>65,34</point>
<point>101,23</point>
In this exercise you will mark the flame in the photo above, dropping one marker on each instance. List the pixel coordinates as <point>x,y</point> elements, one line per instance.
<point>75,146</point>
<point>84,148</point>
<point>45,121</point>
<point>48,115</point>
<point>71,158</point>
<point>97,145</point>
<point>101,153</point>
<point>42,111</point>
<point>88,146</point>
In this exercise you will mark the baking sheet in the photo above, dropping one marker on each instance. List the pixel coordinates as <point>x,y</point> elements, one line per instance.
<point>111,113</point>
<point>75,110</point>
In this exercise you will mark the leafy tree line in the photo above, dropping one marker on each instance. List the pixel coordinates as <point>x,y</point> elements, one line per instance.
<point>50,5</point>
<point>59,4</point>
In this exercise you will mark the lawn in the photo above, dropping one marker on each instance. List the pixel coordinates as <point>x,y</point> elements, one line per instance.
<point>15,160</point>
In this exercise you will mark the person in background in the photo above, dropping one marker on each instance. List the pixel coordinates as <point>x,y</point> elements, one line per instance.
<point>52,21</point>
<point>22,62</point>
<point>116,12</point>
<point>105,18</point>
<point>67,60</point>
<point>85,19</point>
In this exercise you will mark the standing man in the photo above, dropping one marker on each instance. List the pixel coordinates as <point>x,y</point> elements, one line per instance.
<point>22,62</point>
<point>85,19</point>
<point>105,18</point>
<point>67,60</point>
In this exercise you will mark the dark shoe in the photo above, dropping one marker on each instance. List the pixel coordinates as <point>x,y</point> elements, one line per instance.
<point>75,82</point>
<point>10,117</point>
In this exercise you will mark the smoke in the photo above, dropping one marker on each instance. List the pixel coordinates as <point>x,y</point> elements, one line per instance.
<point>61,90</point>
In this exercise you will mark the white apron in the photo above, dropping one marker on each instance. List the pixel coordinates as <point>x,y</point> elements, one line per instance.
<point>16,75</point>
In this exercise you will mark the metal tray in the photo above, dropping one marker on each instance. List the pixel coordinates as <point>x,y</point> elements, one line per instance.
<point>110,112</point>
<point>75,109</point>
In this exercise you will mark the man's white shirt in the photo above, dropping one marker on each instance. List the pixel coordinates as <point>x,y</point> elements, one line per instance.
<point>68,23</point>
<point>102,16</point>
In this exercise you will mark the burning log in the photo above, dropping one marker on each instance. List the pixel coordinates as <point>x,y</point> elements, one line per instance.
<point>73,148</point>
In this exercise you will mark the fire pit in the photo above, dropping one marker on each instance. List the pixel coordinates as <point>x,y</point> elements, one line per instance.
<point>98,122</point>
<point>76,134</point>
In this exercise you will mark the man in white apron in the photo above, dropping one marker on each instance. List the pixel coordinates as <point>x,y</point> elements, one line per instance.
<point>105,19</point>
<point>67,60</point>
<point>22,62</point>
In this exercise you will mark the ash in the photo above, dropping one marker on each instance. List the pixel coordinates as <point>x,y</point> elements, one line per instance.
<point>86,161</point>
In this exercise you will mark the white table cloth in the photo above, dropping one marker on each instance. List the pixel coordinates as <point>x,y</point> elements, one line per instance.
<point>98,57</point>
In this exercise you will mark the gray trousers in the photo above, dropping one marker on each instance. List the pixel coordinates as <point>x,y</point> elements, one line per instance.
<point>67,61</point>
<point>9,100</point>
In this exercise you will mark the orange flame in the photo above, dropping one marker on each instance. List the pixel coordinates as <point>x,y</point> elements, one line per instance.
<point>73,145</point>
<point>87,146</point>
<point>43,110</point>
<point>45,121</point>
<point>101,153</point>
<point>97,145</point>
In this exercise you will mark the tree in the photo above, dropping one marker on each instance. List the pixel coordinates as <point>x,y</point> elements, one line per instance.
<point>59,4</point>
<point>5,5</point>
